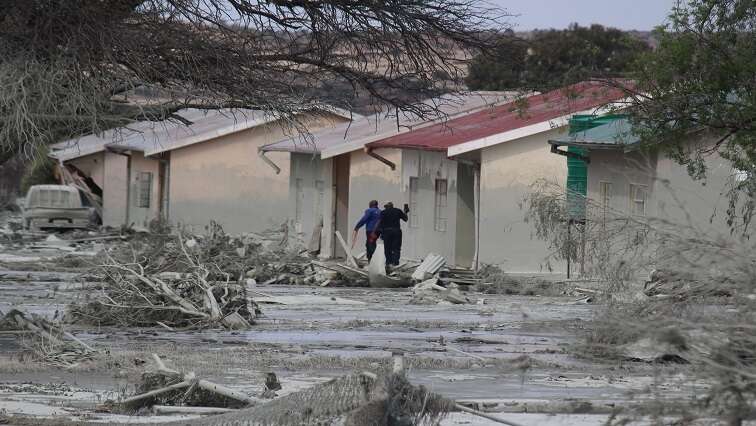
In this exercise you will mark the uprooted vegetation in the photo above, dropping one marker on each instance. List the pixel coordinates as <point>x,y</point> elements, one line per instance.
<point>47,342</point>
<point>496,281</point>
<point>179,281</point>
<point>675,294</point>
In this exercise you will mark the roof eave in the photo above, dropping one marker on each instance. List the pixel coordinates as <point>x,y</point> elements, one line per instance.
<point>529,130</point>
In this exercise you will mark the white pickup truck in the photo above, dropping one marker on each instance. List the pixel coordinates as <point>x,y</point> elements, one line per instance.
<point>57,207</point>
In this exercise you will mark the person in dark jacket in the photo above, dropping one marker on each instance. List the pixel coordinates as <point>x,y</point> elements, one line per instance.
<point>370,221</point>
<point>391,231</point>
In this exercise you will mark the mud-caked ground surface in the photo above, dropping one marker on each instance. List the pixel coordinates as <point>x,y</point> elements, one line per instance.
<point>512,355</point>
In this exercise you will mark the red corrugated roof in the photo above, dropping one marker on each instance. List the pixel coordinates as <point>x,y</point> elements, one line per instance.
<point>492,121</point>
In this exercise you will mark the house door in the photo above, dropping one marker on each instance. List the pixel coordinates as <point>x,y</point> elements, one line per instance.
<point>465,232</point>
<point>341,200</point>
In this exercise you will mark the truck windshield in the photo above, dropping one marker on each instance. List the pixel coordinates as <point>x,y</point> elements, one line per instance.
<point>52,198</point>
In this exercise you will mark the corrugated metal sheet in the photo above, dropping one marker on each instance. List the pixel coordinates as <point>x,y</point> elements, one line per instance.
<point>431,264</point>
<point>154,137</point>
<point>492,121</point>
<point>347,137</point>
<point>617,133</point>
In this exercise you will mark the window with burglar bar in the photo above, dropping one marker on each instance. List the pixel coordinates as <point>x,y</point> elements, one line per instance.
<point>441,203</point>
<point>144,192</point>
<point>605,194</point>
<point>414,220</point>
<point>638,194</point>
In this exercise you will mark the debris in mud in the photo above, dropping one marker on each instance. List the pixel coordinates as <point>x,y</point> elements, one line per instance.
<point>356,399</point>
<point>167,387</point>
<point>685,284</point>
<point>496,281</point>
<point>430,293</point>
<point>175,281</point>
<point>47,342</point>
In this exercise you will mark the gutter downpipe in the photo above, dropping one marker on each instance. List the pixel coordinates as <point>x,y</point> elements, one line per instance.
<point>268,161</point>
<point>384,160</point>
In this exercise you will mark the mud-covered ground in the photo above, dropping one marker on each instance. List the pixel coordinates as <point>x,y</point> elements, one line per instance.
<point>507,354</point>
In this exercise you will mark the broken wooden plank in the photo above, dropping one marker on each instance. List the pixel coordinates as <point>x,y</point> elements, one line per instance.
<point>350,259</point>
<point>351,269</point>
<point>460,281</point>
<point>224,391</point>
<point>156,392</point>
<point>172,409</point>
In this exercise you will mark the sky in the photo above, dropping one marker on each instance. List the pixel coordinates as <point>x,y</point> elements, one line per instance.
<point>623,14</point>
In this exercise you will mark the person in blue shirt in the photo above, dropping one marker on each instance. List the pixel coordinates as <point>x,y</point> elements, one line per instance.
<point>370,221</point>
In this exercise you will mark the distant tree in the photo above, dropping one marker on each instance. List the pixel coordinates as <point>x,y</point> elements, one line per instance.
<point>701,77</point>
<point>69,67</point>
<point>555,58</point>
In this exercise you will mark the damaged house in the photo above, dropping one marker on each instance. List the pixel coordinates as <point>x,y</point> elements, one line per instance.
<point>464,179</point>
<point>333,176</point>
<point>191,174</point>
<point>625,178</point>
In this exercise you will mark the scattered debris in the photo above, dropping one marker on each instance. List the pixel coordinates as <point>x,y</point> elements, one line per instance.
<point>354,400</point>
<point>47,342</point>
<point>307,300</point>
<point>430,293</point>
<point>167,387</point>
<point>175,281</point>
<point>377,276</point>
<point>653,351</point>
<point>429,267</point>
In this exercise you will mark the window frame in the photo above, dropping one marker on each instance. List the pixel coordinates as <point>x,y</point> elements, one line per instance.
<point>634,201</point>
<point>414,192</point>
<point>441,203</point>
<point>605,195</point>
<point>144,190</point>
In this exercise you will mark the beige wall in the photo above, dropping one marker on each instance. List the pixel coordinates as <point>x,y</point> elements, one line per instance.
<point>225,180</point>
<point>507,172</point>
<point>142,168</point>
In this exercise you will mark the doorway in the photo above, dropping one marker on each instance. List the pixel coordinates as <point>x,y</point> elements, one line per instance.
<point>341,200</point>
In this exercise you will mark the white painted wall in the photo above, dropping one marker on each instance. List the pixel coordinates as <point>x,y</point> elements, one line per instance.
<point>372,180</point>
<point>422,237</point>
<point>115,190</point>
<point>310,195</point>
<point>673,195</point>
<point>142,216</point>
<point>507,172</point>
